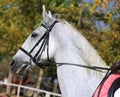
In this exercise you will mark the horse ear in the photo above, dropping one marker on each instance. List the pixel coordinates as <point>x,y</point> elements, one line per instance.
<point>50,14</point>
<point>46,16</point>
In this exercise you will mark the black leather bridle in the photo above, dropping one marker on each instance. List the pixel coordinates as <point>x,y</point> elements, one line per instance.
<point>44,40</point>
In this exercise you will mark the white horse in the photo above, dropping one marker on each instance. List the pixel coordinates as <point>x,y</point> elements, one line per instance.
<point>66,45</point>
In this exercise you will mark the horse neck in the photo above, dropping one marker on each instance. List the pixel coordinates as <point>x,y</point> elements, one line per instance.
<point>74,48</point>
<point>85,49</point>
<point>68,54</point>
<point>66,50</point>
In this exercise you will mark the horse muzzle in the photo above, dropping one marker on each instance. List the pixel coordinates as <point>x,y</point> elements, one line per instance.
<point>19,69</point>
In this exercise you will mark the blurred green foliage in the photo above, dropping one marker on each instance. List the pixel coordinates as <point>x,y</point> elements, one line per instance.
<point>18,18</point>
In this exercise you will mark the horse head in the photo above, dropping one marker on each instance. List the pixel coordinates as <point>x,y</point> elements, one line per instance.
<point>36,48</point>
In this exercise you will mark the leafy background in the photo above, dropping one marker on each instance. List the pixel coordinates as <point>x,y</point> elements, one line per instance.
<point>97,20</point>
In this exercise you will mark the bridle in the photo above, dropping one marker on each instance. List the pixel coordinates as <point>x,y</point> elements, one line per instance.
<point>44,40</point>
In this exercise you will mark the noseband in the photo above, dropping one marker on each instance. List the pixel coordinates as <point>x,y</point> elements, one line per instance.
<point>44,40</point>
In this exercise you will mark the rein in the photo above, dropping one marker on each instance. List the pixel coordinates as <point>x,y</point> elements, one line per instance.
<point>44,40</point>
<point>50,63</point>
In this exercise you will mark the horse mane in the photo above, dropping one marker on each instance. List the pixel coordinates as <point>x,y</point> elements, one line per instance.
<point>84,48</point>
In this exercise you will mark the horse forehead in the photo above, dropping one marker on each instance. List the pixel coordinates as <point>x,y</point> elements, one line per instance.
<point>39,29</point>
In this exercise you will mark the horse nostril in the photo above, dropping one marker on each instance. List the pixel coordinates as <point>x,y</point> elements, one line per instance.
<point>12,63</point>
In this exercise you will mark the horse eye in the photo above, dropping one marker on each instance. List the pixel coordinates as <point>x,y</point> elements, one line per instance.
<point>34,34</point>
